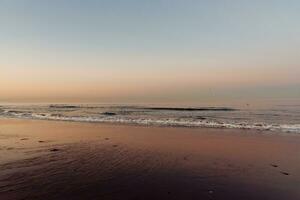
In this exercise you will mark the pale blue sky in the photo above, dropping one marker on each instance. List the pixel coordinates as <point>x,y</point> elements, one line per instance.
<point>122,48</point>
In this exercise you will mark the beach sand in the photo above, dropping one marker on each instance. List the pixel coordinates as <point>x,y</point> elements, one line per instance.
<point>67,160</point>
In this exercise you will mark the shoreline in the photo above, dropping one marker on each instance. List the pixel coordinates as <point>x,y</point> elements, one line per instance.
<point>116,161</point>
<point>106,123</point>
<point>274,118</point>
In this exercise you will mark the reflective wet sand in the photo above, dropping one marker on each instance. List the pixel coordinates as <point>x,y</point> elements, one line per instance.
<point>64,160</point>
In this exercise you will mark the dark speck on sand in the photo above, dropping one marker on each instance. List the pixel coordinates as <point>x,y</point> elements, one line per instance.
<point>54,149</point>
<point>44,141</point>
<point>284,173</point>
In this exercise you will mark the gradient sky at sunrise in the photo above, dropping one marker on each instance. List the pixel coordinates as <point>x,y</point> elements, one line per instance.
<point>149,50</point>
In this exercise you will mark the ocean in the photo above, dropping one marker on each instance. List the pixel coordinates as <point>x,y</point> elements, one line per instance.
<point>278,118</point>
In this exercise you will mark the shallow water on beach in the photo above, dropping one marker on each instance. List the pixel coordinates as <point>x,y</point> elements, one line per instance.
<point>283,118</point>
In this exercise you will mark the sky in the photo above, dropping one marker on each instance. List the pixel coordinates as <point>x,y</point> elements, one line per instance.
<point>142,51</point>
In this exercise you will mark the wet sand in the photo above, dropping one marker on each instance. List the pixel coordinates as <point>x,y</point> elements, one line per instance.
<point>65,160</point>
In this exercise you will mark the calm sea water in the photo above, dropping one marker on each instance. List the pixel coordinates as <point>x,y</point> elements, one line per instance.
<point>283,118</point>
